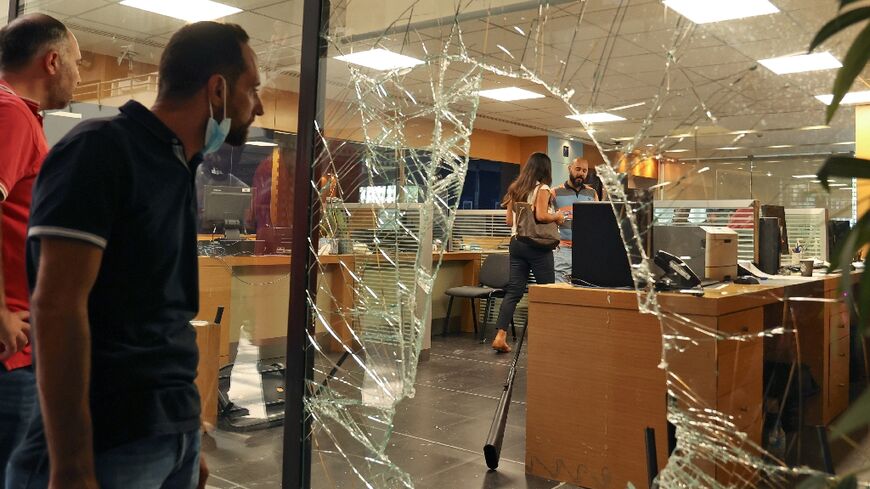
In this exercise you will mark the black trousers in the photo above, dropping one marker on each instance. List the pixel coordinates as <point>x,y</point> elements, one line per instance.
<point>524,258</point>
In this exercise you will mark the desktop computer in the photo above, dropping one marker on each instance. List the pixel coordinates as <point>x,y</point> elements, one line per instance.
<point>225,209</point>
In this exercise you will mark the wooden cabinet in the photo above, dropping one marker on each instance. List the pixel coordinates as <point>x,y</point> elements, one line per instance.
<point>594,381</point>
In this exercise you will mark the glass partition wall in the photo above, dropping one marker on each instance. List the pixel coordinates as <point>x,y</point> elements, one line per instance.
<point>356,171</point>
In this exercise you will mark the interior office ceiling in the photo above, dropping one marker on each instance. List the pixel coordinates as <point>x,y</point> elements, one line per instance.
<point>611,52</point>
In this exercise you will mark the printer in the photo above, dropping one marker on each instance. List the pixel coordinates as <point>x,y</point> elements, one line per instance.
<point>710,251</point>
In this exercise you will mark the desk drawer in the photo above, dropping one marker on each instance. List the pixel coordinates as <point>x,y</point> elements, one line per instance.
<point>744,403</point>
<point>839,320</point>
<point>838,377</point>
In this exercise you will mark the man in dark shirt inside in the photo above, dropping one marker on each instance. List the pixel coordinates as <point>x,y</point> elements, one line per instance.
<point>112,260</point>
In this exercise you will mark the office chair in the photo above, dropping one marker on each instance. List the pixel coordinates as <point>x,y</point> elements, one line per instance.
<point>494,276</point>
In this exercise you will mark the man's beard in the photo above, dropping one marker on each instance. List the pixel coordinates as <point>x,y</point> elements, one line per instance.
<point>578,182</point>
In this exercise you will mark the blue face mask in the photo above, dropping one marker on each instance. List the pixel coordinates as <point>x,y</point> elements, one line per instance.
<point>216,134</point>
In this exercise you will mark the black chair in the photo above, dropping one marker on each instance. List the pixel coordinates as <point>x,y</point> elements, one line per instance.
<point>494,275</point>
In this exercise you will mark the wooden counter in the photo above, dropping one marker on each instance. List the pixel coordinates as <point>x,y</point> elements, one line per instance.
<point>594,382</point>
<point>227,281</point>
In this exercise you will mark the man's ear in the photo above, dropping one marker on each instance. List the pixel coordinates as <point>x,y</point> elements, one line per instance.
<point>215,89</point>
<point>51,62</point>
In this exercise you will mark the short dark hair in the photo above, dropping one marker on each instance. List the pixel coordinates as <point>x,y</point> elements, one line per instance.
<point>27,37</point>
<point>195,53</point>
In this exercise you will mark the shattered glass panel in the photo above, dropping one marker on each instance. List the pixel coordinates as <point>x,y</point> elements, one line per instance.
<point>678,119</point>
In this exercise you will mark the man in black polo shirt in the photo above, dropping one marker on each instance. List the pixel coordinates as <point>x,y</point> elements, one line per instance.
<point>113,266</point>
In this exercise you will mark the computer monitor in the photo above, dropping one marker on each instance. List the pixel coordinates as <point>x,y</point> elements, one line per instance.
<point>598,255</point>
<point>225,209</point>
<point>837,231</point>
<point>778,212</point>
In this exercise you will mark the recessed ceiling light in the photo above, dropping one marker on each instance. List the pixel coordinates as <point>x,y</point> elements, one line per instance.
<point>596,117</point>
<point>505,50</point>
<point>815,181</point>
<point>516,28</point>
<point>706,11</point>
<point>813,128</point>
<point>676,150</point>
<point>801,63</point>
<point>509,94</point>
<point>778,146</point>
<point>804,176</point>
<point>729,148</point>
<point>629,106</point>
<point>861,97</point>
<point>660,185</point>
<point>847,188</point>
<point>838,184</point>
<point>380,59</point>
<point>187,10</point>
<point>63,113</point>
<point>261,143</point>
<point>702,170</point>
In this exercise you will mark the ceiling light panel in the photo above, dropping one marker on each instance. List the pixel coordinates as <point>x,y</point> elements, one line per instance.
<point>801,63</point>
<point>509,94</point>
<point>707,11</point>
<point>850,98</point>
<point>187,10</point>
<point>594,117</point>
<point>380,59</point>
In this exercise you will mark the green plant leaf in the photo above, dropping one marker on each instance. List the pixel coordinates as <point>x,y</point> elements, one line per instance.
<point>839,23</point>
<point>817,481</point>
<point>854,240</point>
<point>863,299</point>
<point>843,3</point>
<point>854,62</point>
<point>843,166</point>
<point>855,417</point>
<point>850,482</point>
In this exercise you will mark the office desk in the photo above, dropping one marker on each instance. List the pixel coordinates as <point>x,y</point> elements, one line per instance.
<point>594,384</point>
<point>255,291</point>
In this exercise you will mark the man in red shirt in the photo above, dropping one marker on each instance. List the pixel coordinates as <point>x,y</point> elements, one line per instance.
<point>39,60</point>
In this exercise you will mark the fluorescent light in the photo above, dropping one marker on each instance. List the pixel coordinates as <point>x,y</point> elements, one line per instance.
<point>63,113</point>
<point>801,63</point>
<point>629,106</point>
<point>623,138</point>
<point>847,188</point>
<point>702,170</point>
<point>838,184</point>
<point>846,142</point>
<point>778,146</point>
<point>706,11</point>
<point>520,31</point>
<point>815,181</point>
<point>803,176</point>
<point>509,94</point>
<point>595,117</point>
<point>261,143</point>
<point>660,185</point>
<point>729,148</point>
<point>676,150</point>
<point>861,97</point>
<point>380,59</point>
<point>813,128</point>
<point>187,10</point>
<point>504,49</point>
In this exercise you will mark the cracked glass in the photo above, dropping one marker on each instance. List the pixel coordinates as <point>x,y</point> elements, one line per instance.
<point>679,117</point>
<point>688,132</point>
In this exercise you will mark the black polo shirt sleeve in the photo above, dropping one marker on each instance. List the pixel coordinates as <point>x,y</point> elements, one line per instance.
<point>80,190</point>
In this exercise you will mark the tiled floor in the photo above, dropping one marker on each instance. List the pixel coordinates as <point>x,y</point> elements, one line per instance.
<point>439,434</point>
<point>438,437</point>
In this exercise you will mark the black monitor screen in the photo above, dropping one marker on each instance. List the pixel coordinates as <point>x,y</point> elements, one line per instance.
<point>225,203</point>
<point>598,256</point>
